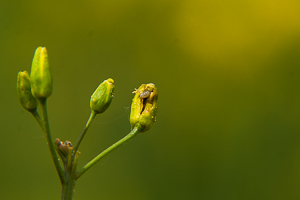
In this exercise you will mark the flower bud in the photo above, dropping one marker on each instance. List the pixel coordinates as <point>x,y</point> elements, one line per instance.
<point>25,97</point>
<point>144,106</point>
<point>102,97</point>
<point>41,76</point>
<point>65,147</point>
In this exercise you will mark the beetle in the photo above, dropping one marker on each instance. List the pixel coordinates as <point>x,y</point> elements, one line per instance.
<point>145,94</point>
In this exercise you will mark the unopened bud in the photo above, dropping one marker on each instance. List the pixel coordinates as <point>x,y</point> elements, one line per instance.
<point>25,97</point>
<point>144,107</point>
<point>41,76</point>
<point>102,97</point>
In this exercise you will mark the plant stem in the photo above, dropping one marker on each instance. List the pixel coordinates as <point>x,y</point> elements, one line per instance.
<point>68,188</point>
<point>37,117</point>
<point>69,185</point>
<point>50,142</point>
<point>87,125</point>
<point>113,147</point>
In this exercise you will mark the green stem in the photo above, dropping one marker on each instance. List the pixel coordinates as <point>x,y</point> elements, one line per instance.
<point>68,188</point>
<point>69,185</point>
<point>37,117</point>
<point>87,125</point>
<point>50,142</point>
<point>113,147</point>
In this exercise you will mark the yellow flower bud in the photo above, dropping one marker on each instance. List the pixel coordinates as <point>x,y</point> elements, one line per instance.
<point>25,97</point>
<point>102,97</point>
<point>144,106</point>
<point>41,76</point>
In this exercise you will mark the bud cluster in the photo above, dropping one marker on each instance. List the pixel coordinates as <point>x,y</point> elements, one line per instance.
<point>37,85</point>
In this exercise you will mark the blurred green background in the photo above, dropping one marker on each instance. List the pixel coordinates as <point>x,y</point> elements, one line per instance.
<point>227,74</point>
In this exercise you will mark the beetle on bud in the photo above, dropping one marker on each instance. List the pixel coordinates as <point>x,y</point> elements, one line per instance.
<point>144,107</point>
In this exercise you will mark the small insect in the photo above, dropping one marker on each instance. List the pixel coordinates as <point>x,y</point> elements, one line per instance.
<point>145,94</point>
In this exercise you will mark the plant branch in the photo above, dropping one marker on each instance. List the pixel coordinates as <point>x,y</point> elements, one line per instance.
<point>50,142</point>
<point>87,125</point>
<point>37,117</point>
<point>113,147</point>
